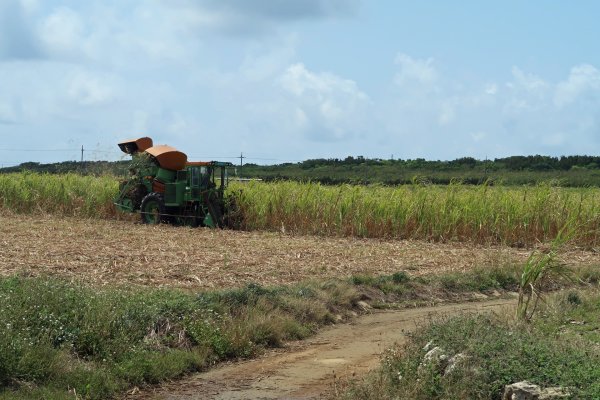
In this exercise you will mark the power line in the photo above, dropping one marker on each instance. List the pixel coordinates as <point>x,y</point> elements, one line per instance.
<point>42,150</point>
<point>271,159</point>
<point>64,150</point>
<point>103,151</point>
<point>245,157</point>
<point>83,150</point>
<point>215,158</point>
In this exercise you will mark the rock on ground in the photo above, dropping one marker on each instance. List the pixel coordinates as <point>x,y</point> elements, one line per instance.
<point>525,390</point>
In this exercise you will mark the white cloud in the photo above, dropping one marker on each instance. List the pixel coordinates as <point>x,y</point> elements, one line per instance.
<point>260,63</point>
<point>459,118</point>
<point>582,78</point>
<point>414,70</point>
<point>299,80</point>
<point>90,90</point>
<point>491,89</point>
<point>527,81</point>
<point>62,31</point>
<point>525,93</point>
<point>333,105</point>
<point>30,6</point>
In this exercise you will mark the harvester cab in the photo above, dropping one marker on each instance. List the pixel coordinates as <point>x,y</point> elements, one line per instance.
<point>164,187</point>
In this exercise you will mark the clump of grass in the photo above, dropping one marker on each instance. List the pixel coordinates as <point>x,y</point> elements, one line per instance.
<point>541,267</point>
<point>401,287</point>
<point>556,349</point>
<point>56,335</point>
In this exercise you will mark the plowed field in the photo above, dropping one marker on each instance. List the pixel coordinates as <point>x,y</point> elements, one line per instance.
<point>123,252</point>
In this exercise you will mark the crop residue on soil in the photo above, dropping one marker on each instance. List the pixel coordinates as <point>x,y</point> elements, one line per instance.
<point>122,252</point>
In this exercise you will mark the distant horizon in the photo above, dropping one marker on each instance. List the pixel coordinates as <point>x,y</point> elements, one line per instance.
<point>314,159</point>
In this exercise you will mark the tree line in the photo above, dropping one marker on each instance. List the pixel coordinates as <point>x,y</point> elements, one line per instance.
<point>513,163</point>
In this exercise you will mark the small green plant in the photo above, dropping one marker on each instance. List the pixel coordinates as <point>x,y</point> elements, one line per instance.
<point>400,277</point>
<point>541,267</point>
<point>574,298</point>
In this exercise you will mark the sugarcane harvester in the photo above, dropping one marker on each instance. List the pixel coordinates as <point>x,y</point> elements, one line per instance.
<point>164,187</point>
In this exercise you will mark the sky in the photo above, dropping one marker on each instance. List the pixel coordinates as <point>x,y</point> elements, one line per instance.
<point>289,80</point>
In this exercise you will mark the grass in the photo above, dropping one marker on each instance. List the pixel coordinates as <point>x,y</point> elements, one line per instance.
<point>558,348</point>
<point>401,288</point>
<point>540,267</point>
<point>58,338</point>
<point>483,214</point>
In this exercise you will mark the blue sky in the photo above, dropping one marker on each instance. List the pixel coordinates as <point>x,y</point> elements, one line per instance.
<point>284,80</point>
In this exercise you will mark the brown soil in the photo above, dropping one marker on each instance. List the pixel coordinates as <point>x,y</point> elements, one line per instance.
<point>313,368</point>
<point>122,252</point>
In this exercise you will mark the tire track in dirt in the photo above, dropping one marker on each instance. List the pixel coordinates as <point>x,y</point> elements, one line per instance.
<point>308,369</point>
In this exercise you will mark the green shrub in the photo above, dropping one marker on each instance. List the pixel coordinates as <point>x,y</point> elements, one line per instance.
<point>498,351</point>
<point>58,335</point>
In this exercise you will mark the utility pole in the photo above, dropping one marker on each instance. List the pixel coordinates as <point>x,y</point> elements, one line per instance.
<point>485,166</point>
<point>82,154</point>
<point>241,163</point>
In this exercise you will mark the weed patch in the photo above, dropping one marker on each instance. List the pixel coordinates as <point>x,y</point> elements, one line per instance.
<point>557,348</point>
<point>401,287</point>
<point>57,336</point>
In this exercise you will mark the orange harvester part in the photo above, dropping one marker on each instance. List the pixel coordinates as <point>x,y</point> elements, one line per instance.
<point>198,163</point>
<point>135,145</point>
<point>168,157</point>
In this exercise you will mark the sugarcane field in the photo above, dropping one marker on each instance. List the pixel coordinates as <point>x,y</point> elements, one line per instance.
<point>326,199</point>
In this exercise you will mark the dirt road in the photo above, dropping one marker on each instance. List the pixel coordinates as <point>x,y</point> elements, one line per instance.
<point>308,369</point>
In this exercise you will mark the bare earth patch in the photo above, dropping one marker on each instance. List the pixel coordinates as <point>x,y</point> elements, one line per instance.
<point>123,252</point>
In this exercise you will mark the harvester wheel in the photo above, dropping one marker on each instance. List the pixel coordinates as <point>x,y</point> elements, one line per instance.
<point>152,209</point>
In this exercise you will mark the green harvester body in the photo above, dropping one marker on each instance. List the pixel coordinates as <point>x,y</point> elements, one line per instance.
<point>164,187</point>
